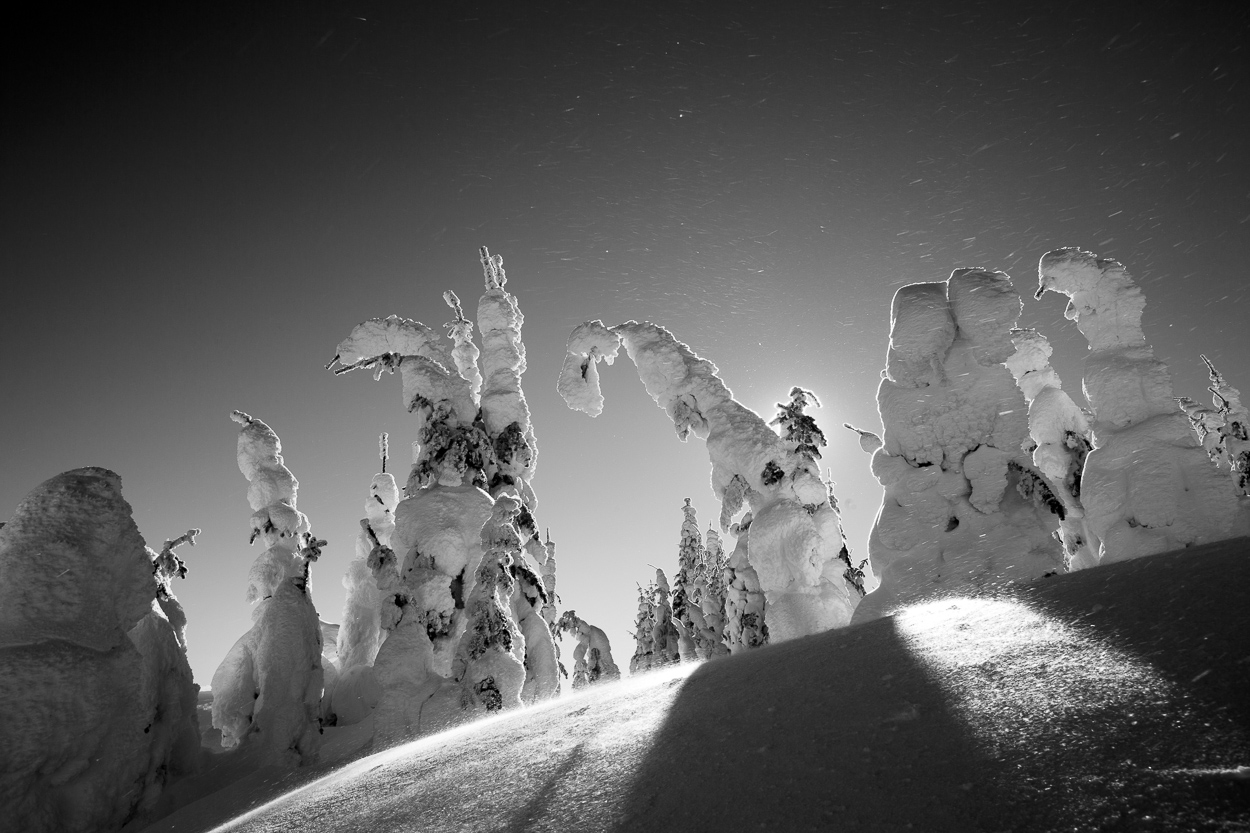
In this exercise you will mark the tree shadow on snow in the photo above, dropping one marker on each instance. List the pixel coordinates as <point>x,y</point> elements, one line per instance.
<point>841,729</point>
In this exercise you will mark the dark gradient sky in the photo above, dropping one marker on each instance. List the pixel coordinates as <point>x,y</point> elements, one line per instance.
<point>197,206</point>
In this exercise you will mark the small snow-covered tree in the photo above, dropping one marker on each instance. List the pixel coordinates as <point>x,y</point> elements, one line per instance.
<point>592,658</point>
<point>644,632</point>
<point>664,634</point>
<point>1147,486</point>
<point>712,601</point>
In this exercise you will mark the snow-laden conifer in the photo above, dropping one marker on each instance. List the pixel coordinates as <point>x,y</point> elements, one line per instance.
<point>644,632</point>
<point>795,536</point>
<point>592,658</point>
<point>711,638</point>
<point>952,458</point>
<point>1147,485</point>
<point>267,691</point>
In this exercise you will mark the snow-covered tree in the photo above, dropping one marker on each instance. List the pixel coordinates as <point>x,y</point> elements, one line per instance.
<point>794,537</point>
<point>711,638</point>
<point>1223,431</point>
<point>360,633</point>
<point>489,663</point>
<point>644,632</point>
<point>475,446</point>
<point>1059,440</point>
<point>664,634</point>
<point>99,705</point>
<point>592,658</point>
<point>267,691</point>
<point>951,457</point>
<point>1147,486</point>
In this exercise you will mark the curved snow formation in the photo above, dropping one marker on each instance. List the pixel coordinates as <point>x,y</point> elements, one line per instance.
<point>795,537</point>
<point>961,508</point>
<point>1147,485</point>
<point>98,698</point>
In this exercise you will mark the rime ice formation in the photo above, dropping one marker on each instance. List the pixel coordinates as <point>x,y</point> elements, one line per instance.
<point>93,672</point>
<point>489,662</point>
<point>796,538</point>
<point>476,447</point>
<point>267,691</point>
<point>1147,486</point>
<point>592,658</point>
<point>745,611</point>
<point>1223,431</point>
<point>960,508</point>
<point>1059,440</point>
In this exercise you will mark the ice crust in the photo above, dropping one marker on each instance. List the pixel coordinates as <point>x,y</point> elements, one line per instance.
<point>952,458</point>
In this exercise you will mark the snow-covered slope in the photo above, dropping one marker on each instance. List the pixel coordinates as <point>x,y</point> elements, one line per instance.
<point>1111,698</point>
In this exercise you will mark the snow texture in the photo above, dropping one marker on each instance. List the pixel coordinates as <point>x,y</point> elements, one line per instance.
<point>959,511</point>
<point>795,551</point>
<point>98,697</point>
<point>1147,485</point>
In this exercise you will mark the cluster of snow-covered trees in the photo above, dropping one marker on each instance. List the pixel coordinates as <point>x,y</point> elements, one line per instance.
<point>992,473</point>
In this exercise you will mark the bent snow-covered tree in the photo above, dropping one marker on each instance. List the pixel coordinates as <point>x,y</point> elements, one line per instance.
<point>476,445</point>
<point>963,506</point>
<point>1224,430</point>
<point>1147,485</point>
<point>795,537</point>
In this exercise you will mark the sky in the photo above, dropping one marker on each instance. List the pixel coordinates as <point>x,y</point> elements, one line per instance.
<point>198,205</point>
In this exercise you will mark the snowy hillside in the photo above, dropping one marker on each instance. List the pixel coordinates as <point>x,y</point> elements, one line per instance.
<point>1110,698</point>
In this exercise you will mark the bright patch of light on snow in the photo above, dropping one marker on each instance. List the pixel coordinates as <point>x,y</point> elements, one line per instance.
<point>614,720</point>
<point>1003,662</point>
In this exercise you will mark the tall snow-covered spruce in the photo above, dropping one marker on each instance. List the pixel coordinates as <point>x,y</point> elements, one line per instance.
<point>267,691</point>
<point>1147,485</point>
<point>794,537</point>
<point>476,447</point>
<point>99,705</point>
<point>962,507</point>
